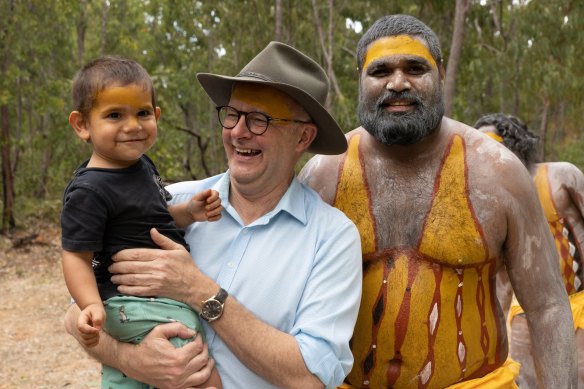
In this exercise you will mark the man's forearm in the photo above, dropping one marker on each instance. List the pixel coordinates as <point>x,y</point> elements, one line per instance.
<point>265,350</point>
<point>552,337</point>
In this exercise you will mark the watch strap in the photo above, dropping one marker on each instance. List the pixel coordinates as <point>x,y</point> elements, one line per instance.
<point>221,296</point>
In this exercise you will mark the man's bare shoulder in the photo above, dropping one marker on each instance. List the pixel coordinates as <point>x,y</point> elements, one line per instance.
<point>483,151</point>
<point>494,172</point>
<point>321,171</point>
<point>565,176</point>
<point>563,168</point>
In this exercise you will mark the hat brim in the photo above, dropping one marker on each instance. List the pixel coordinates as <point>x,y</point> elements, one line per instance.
<point>330,138</point>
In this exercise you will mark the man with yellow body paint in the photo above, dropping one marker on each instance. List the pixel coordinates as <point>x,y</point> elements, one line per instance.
<point>436,224</point>
<point>560,188</point>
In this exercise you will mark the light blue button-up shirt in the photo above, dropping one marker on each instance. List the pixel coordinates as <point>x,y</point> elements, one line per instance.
<point>297,268</point>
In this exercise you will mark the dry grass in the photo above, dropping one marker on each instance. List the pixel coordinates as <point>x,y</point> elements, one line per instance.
<point>35,350</point>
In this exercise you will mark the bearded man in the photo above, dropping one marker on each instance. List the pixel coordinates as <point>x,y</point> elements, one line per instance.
<point>440,208</point>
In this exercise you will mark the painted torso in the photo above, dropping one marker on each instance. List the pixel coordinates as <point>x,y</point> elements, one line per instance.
<point>562,231</point>
<point>428,315</point>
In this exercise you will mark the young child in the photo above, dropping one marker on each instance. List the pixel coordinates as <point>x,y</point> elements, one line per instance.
<point>112,203</point>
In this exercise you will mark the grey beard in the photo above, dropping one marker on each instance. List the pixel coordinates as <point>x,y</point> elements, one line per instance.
<point>402,128</point>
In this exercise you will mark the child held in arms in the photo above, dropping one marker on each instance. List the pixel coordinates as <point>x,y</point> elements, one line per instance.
<point>113,201</point>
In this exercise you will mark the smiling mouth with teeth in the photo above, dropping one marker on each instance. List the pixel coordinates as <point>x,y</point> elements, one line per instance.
<point>248,152</point>
<point>398,103</point>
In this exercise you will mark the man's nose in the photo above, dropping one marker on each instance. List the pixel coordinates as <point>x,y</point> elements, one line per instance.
<point>240,130</point>
<point>398,81</point>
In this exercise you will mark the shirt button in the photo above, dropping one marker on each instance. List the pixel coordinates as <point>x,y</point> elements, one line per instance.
<point>230,265</point>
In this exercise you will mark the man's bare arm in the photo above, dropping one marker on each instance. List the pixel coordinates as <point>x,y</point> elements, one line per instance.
<point>576,187</point>
<point>532,265</point>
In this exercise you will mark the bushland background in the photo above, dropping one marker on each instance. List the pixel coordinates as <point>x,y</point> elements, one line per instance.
<point>515,56</point>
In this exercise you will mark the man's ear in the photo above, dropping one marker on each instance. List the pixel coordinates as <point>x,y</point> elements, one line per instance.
<point>79,124</point>
<point>157,113</point>
<point>442,71</point>
<point>307,135</point>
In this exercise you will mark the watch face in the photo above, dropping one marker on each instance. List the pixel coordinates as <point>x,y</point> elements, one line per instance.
<point>212,309</point>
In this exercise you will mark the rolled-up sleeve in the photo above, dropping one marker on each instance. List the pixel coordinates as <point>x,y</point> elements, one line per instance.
<point>330,304</point>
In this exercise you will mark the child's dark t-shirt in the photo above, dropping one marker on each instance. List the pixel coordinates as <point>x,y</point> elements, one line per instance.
<point>108,210</point>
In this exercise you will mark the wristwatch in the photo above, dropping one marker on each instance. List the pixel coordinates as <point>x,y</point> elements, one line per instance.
<point>213,307</point>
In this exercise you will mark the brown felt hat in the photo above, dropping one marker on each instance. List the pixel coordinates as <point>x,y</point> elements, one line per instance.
<point>297,75</point>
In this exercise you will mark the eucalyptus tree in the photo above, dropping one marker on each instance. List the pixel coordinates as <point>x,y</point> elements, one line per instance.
<point>521,59</point>
<point>36,61</point>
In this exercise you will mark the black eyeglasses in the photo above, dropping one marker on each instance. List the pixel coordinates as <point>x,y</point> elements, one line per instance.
<point>257,122</point>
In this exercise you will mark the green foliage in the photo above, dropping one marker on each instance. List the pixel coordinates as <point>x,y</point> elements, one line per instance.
<point>518,57</point>
<point>48,210</point>
<point>572,152</point>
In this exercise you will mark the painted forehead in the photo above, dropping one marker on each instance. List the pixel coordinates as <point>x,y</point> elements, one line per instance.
<point>132,94</point>
<point>264,98</point>
<point>397,45</point>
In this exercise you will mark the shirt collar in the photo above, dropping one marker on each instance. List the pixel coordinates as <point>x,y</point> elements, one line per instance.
<point>292,202</point>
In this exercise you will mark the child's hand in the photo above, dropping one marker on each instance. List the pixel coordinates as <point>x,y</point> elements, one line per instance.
<point>213,207</point>
<point>205,205</point>
<point>90,323</point>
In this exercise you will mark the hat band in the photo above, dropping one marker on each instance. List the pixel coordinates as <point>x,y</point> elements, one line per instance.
<point>255,75</point>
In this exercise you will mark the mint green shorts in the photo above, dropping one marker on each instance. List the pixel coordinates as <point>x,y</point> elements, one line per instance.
<point>129,319</point>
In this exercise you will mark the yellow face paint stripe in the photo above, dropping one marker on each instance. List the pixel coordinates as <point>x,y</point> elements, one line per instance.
<point>495,136</point>
<point>397,45</point>
<point>132,95</point>
<point>267,99</point>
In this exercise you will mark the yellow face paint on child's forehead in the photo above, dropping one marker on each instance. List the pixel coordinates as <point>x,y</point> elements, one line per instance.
<point>264,98</point>
<point>397,45</point>
<point>132,94</point>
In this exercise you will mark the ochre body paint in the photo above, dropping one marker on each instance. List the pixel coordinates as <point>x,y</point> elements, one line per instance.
<point>397,45</point>
<point>561,231</point>
<point>428,315</point>
<point>494,135</point>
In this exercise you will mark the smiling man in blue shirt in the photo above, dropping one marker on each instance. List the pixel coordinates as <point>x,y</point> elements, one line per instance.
<point>278,278</point>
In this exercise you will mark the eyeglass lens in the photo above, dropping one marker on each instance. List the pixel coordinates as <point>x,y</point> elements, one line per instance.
<point>256,122</point>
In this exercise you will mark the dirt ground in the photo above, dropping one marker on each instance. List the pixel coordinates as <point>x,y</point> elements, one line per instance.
<point>35,350</point>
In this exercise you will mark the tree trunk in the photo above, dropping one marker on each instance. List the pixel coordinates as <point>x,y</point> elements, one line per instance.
<point>543,128</point>
<point>8,221</point>
<point>7,177</point>
<point>43,184</point>
<point>202,144</point>
<point>560,122</point>
<point>278,21</point>
<point>216,142</point>
<point>47,158</point>
<point>462,7</point>
<point>81,27</point>
<point>327,49</point>
<point>104,12</point>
